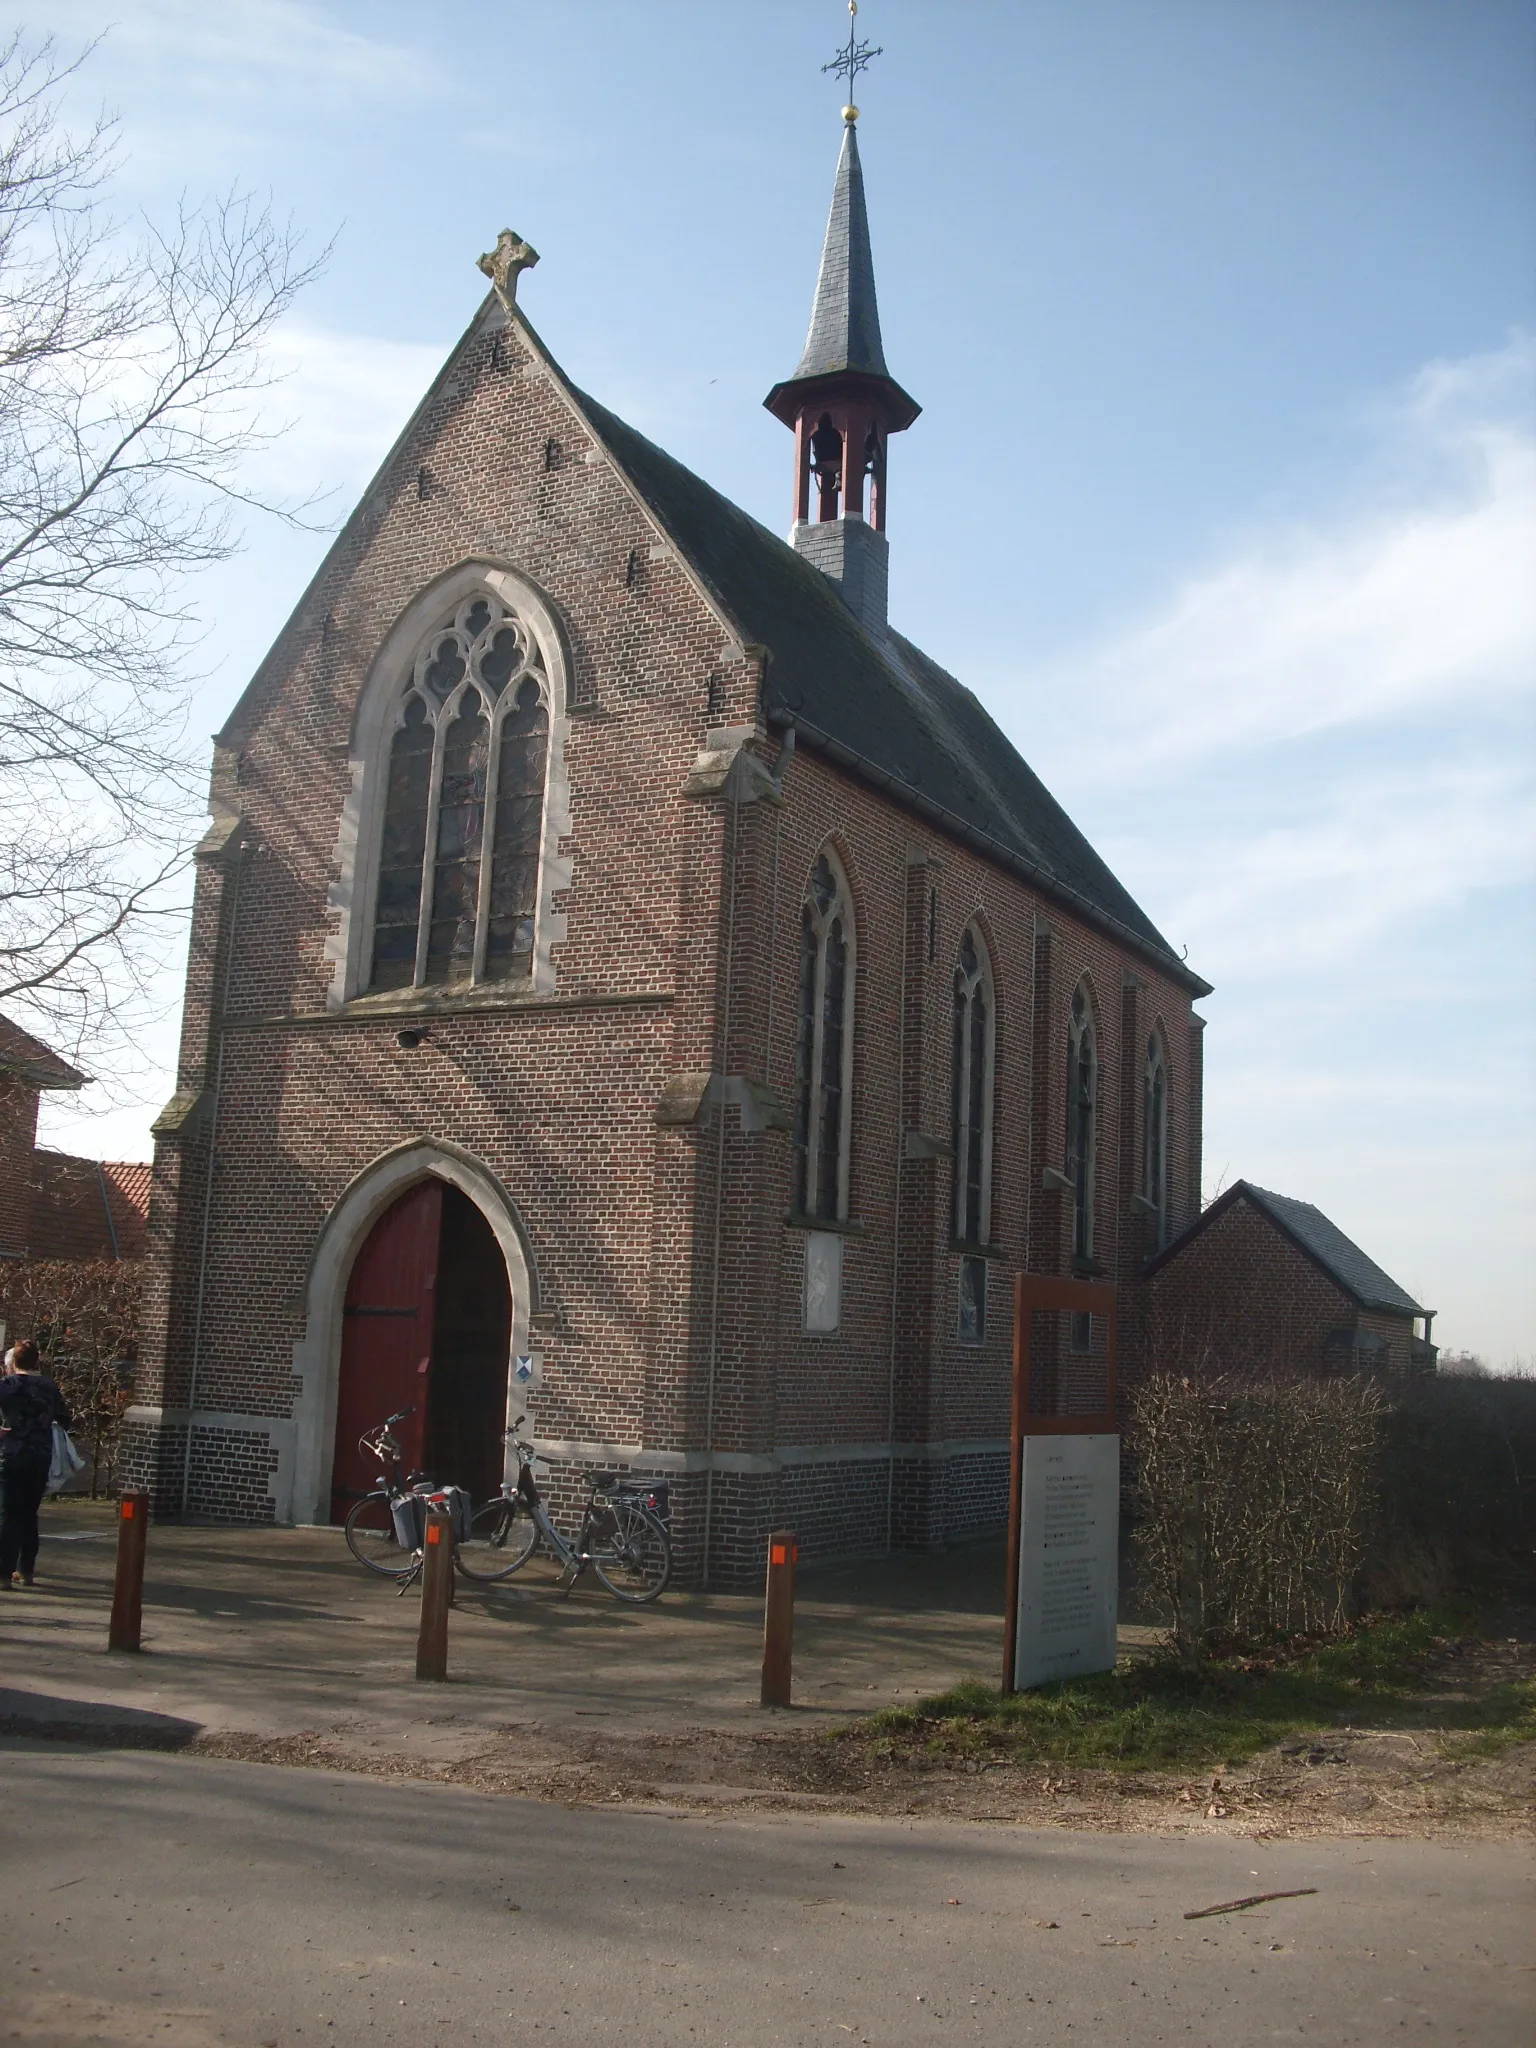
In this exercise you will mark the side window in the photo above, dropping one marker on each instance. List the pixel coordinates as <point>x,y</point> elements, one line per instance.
<point>974,1041</point>
<point>973,1091</point>
<point>1082,1119</point>
<point>824,1046</point>
<point>463,807</point>
<point>1155,1139</point>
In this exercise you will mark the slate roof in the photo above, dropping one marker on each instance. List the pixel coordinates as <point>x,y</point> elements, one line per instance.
<point>879,705</point>
<point>1322,1240</point>
<point>28,1059</point>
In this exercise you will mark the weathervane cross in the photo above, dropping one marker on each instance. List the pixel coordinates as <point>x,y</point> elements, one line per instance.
<point>504,264</point>
<point>856,58</point>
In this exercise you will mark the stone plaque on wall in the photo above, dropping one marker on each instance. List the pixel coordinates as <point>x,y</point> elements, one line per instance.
<point>823,1280</point>
<point>1069,1555</point>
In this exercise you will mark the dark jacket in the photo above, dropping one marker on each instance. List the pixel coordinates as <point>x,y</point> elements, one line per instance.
<point>30,1404</point>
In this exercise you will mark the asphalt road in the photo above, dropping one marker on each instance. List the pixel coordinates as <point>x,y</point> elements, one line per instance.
<point>159,1899</point>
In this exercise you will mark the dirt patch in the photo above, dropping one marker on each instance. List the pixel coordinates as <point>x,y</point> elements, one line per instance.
<point>1421,1778</point>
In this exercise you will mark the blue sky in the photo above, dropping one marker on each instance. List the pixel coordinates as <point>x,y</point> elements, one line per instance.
<point>1223,497</point>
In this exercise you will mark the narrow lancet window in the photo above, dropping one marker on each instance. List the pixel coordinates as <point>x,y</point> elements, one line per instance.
<point>824,1049</point>
<point>1082,1120</point>
<point>1155,1125</point>
<point>463,823</point>
<point>521,768</point>
<point>972,1135</point>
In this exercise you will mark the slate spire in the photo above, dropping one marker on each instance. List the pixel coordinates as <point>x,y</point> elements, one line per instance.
<point>845,317</point>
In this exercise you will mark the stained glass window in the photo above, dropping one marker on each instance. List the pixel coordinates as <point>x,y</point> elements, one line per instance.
<point>823,1053</point>
<point>463,825</point>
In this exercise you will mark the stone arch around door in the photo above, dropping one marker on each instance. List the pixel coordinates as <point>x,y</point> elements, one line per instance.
<point>317,1355</point>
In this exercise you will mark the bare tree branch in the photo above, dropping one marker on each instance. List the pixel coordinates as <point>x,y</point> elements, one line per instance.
<point>132,377</point>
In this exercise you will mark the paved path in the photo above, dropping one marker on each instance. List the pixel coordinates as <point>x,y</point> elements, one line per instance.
<point>279,1631</point>
<point>183,1902</point>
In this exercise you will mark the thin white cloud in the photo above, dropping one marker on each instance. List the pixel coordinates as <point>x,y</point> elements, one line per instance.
<point>1413,594</point>
<point>246,44</point>
<point>1314,764</point>
<point>346,396</point>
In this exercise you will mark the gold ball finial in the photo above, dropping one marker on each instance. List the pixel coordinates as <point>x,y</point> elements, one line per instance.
<point>850,115</point>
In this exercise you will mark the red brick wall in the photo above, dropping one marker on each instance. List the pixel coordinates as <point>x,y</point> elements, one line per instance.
<point>1242,1295</point>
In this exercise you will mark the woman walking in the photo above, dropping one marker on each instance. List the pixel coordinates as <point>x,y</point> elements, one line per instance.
<point>30,1404</point>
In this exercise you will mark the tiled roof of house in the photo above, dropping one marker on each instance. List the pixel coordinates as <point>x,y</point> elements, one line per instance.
<point>1322,1240</point>
<point>26,1058</point>
<point>87,1208</point>
<point>879,705</point>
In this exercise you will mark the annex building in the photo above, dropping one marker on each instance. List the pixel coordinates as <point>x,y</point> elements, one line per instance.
<point>632,983</point>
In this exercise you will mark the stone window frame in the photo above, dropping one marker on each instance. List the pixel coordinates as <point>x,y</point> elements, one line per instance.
<point>380,707</point>
<point>973,1233</point>
<point>819,920</point>
<point>1156,1181</point>
<point>1080,1162</point>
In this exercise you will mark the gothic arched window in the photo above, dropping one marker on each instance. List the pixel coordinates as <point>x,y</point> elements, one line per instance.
<point>824,1046</point>
<point>972,1133</point>
<point>463,828</point>
<point>1155,1139</point>
<point>1082,1119</point>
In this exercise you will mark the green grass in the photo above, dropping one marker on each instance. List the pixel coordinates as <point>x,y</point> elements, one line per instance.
<point>1148,1713</point>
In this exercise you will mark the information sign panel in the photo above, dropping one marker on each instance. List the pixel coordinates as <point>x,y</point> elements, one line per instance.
<point>1068,1583</point>
<point>1062,1590</point>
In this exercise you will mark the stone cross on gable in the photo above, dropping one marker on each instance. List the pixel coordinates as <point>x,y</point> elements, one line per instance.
<point>503,264</point>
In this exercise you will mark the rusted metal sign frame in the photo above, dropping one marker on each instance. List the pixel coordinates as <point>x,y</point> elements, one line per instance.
<point>1033,1292</point>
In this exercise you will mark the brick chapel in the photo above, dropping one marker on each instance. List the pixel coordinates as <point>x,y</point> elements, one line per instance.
<point>632,983</point>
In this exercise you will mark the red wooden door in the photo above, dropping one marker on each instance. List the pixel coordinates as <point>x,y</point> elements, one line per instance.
<point>386,1343</point>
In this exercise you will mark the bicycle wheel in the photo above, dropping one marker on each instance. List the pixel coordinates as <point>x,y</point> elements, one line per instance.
<point>630,1552</point>
<point>502,1537</point>
<point>371,1538</point>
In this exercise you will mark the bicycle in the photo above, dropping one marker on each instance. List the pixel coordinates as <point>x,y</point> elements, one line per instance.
<point>623,1535</point>
<point>372,1529</point>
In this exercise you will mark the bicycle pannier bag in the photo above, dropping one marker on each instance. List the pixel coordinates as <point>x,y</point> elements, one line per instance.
<point>459,1507</point>
<point>410,1518</point>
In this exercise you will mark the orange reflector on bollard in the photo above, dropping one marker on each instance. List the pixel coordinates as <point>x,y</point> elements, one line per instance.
<point>777,1554</point>
<point>434,1532</point>
<point>127,1510</point>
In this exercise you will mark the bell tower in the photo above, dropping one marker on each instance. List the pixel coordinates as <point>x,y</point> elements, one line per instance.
<point>842,403</point>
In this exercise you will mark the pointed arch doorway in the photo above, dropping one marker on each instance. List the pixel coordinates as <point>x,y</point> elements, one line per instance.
<point>426,1325</point>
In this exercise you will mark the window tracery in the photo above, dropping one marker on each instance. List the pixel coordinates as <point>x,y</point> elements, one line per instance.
<point>458,871</point>
<point>824,1048</point>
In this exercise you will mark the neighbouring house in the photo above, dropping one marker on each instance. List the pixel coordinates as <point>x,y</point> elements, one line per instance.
<point>1259,1280</point>
<point>52,1204</point>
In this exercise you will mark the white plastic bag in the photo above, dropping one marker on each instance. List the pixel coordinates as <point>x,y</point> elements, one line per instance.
<point>67,1461</point>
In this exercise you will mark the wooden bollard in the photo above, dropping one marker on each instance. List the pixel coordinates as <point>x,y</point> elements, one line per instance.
<point>779,1618</point>
<point>128,1587</point>
<point>436,1595</point>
